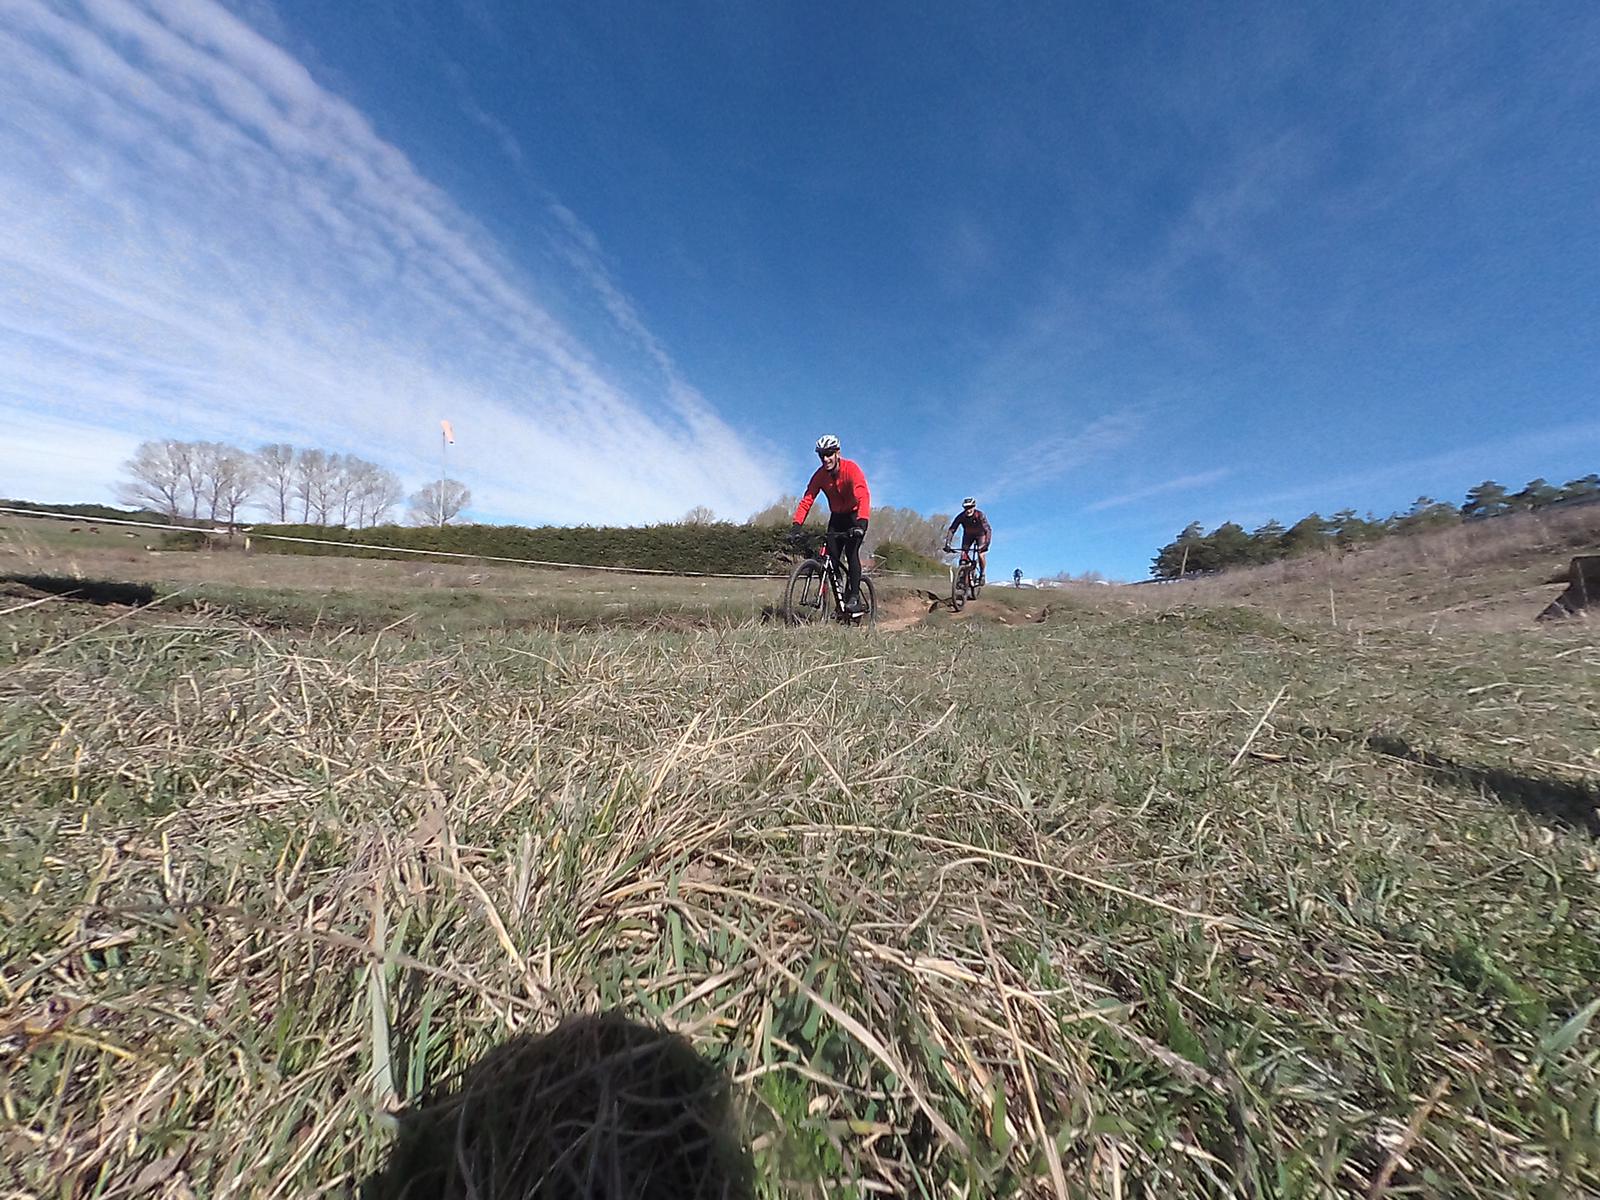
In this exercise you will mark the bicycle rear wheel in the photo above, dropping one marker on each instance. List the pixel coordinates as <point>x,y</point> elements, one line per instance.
<point>807,598</point>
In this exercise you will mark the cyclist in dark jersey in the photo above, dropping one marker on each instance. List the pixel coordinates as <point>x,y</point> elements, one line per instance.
<point>975,533</point>
<point>849,506</point>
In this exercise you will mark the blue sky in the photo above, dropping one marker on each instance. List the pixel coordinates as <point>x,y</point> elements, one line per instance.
<point>1112,268</point>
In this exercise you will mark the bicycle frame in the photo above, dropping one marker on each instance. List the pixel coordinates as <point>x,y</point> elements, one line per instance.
<point>830,570</point>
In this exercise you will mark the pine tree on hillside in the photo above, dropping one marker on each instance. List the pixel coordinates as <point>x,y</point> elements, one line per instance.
<point>1307,535</point>
<point>1230,546</point>
<point>1352,532</point>
<point>1488,499</point>
<point>1266,543</point>
<point>1536,495</point>
<point>1425,513</point>
<point>1587,488</point>
<point>1186,554</point>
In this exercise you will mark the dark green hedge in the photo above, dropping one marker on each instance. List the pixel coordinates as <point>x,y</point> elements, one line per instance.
<point>893,556</point>
<point>92,512</point>
<point>721,548</point>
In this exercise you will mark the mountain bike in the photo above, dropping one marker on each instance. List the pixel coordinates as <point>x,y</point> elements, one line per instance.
<point>964,583</point>
<point>815,591</point>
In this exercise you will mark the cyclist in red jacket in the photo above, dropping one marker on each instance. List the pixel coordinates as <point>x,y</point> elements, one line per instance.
<point>849,506</point>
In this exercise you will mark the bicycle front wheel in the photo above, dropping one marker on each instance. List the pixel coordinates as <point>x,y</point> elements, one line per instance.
<point>807,598</point>
<point>869,602</point>
<point>958,589</point>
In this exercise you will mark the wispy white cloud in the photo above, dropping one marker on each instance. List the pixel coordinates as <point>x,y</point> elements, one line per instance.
<point>1053,456</point>
<point>65,461</point>
<point>197,239</point>
<point>1182,483</point>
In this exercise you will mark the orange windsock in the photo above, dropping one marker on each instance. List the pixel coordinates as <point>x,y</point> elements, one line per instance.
<point>449,434</point>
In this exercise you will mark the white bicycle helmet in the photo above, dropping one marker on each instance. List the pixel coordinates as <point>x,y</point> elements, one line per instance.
<point>969,502</point>
<point>827,444</point>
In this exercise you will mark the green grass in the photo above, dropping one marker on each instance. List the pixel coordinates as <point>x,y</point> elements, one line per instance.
<point>29,535</point>
<point>965,910</point>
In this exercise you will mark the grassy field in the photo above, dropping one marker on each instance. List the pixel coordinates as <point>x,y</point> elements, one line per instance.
<point>1089,901</point>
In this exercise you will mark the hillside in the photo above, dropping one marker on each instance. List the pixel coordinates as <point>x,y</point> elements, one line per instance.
<point>1488,575</point>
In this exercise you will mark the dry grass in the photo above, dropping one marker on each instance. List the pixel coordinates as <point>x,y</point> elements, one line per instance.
<point>1071,908</point>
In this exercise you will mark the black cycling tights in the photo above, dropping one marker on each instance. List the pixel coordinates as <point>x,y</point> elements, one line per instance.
<point>846,549</point>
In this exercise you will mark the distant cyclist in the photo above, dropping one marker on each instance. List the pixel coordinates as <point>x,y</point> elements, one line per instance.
<point>849,506</point>
<point>975,534</point>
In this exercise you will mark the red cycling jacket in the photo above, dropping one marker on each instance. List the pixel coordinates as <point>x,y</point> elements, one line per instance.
<point>846,492</point>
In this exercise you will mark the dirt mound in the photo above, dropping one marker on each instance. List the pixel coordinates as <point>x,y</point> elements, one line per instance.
<point>992,610</point>
<point>902,610</point>
<point>907,608</point>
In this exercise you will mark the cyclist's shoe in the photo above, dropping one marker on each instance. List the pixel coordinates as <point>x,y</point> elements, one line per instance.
<point>981,581</point>
<point>854,607</point>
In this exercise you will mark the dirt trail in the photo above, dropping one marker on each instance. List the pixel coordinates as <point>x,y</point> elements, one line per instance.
<point>906,609</point>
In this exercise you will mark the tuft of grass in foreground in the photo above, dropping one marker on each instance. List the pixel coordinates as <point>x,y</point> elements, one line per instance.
<point>1198,903</point>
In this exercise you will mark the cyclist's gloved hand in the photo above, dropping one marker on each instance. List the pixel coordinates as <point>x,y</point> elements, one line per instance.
<point>797,533</point>
<point>859,529</point>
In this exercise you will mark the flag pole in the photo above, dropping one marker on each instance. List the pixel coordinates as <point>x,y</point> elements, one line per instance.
<point>446,437</point>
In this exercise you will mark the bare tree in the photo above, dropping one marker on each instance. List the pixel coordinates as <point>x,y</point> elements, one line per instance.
<point>698,515</point>
<point>194,478</point>
<point>781,510</point>
<point>378,490</point>
<point>363,492</point>
<point>343,481</point>
<point>235,482</point>
<point>325,489</point>
<point>160,476</point>
<point>275,467</point>
<point>312,484</point>
<point>439,503</point>
<point>922,534</point>
<point>209,468</point>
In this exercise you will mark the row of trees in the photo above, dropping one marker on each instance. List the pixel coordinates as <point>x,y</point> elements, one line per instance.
<point>1489,499</point>
<point>1195,551</point>
<point>214,481</point>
